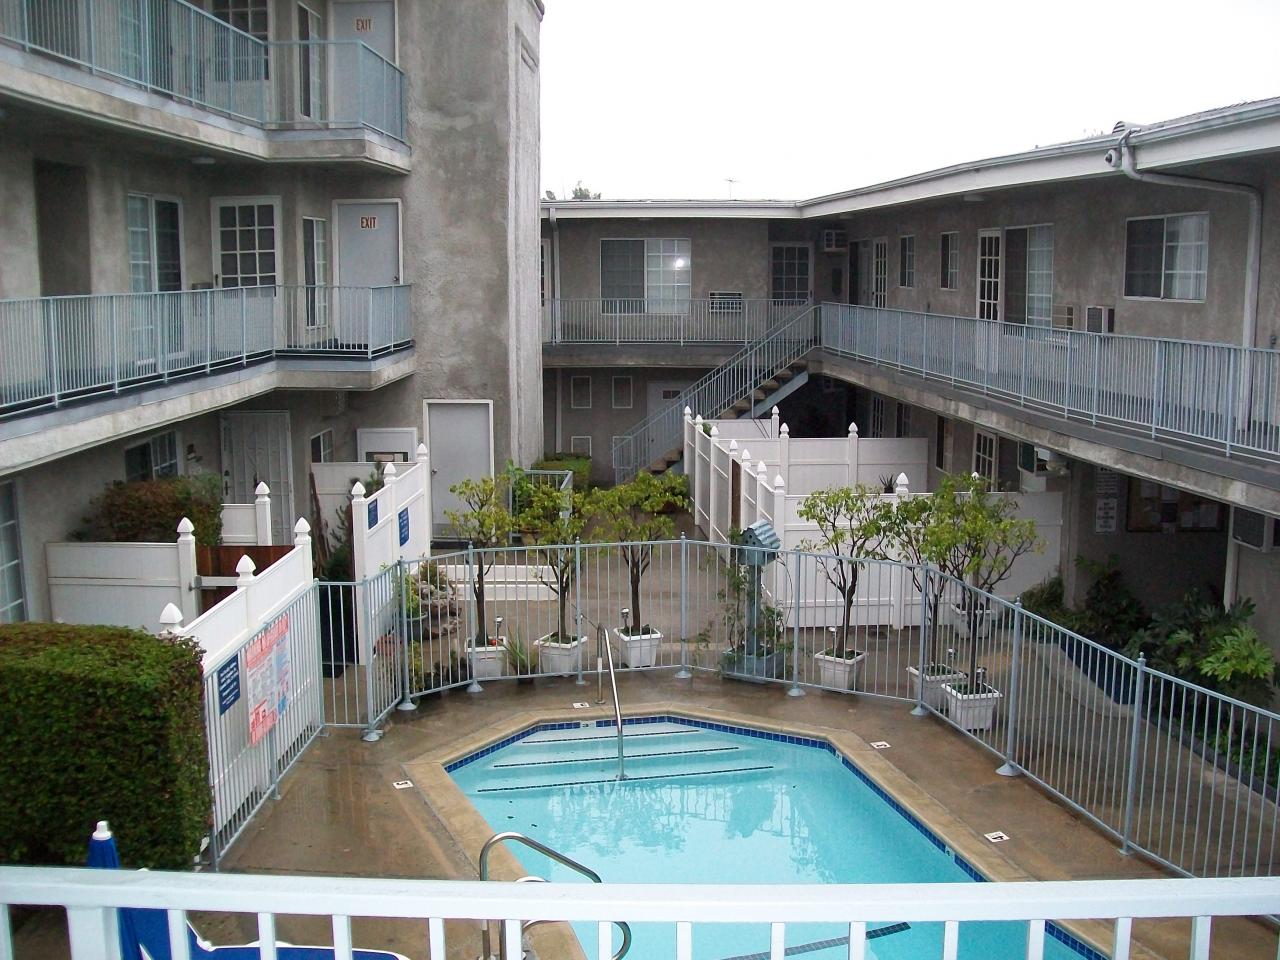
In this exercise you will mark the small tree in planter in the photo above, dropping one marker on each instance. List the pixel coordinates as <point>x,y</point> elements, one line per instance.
<point>553,519</point>
<point>851,525</point>
<point>486,522</point>
<point>631,514</point>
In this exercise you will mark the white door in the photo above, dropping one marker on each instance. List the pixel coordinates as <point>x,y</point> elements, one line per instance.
<point>460,438</point>
<point>989,275</point>
<point>256,449</point>
<point>372,22</point>
<point>880,273</point>
<point>367,257</point>
<point>661,395</point>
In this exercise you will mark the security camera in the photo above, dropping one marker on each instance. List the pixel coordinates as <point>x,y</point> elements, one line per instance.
<point>1113,158</point>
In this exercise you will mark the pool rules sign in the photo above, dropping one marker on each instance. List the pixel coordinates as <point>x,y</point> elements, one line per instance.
<point>267,667</point>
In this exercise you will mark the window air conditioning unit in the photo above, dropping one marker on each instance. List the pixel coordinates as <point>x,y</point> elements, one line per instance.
<point>835,240</point>
<point>1100,319</point>
<point>1254,530</point>
<point>724,301</point>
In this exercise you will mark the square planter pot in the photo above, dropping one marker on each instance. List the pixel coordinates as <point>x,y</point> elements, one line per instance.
<point>972,711</point>
<point>837,673</point>
<point>933,684</point>
<point>984,622</point>
<point>743,666</point>
<point>638,649</point>
<point>558,658</point>
<point>488,663</point>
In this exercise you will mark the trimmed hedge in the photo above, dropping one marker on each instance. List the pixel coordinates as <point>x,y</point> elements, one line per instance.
<point>101,723</point>
<point>148,511</point>
<point>579,463</point>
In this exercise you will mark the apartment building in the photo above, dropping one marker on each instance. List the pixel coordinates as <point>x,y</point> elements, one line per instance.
<point>1098,317</point>
<point>236,233</point>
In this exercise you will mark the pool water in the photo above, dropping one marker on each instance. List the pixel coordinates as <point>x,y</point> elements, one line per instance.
<point>707,803</point>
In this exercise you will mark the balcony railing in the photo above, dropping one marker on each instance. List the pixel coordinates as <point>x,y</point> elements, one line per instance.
<point>60,348</point>
<point>1215,395</point>
<point>729,320</point>
<point>173,48</point>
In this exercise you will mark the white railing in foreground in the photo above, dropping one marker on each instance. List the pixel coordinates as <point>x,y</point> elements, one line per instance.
<point>664,321</point>
<point>91,896</point>
<point>1216,395</point>
<point>59,348</point>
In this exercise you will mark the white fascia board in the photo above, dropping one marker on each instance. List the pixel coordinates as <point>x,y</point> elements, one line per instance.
<point>1224,141</point>
<point>671,209</point>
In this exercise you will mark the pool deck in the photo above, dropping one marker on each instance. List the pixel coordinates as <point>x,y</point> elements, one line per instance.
<point>339,813</point>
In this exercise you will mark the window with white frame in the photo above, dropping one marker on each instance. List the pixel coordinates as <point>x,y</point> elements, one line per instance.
<point>985,461</point>
<point>322,447</point>
<point>1167,258</point>
<point>315,269</point>
<point>949,261</point>
<point>790,272</point>
<point>906,261</point>
<point>622,391</point>
<point>877,417</point>
<point>880,274</point>
<point>581,445</point>
<point>1028,275</point>
<point>247,248</point>
<point>153,458</point>
<point>645,276</point>
<point>310,64</point>
<point>580,393</point>
<point>155,243</point>
<point>13,604</point>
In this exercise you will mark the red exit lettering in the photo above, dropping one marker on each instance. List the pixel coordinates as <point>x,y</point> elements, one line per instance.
<point>368,223</point>
<point>364,24</point>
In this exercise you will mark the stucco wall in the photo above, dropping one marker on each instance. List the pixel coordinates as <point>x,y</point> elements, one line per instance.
<point>1259,575</point>
<point>19,256</point>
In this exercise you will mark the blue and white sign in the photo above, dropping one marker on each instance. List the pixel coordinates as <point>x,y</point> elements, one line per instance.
<point>404,526</point>
<point>228,685</point>
<point>373,514</point>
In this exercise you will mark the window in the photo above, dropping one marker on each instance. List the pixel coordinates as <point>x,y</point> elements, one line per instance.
<point>13,605</point>
<point>879,274</point>
<point>580,445</point>
<point>645,276</point>
<point>989,275</point>
<point>1028,275</point>
<point>247,15</point>
<point>902,420</point>
<point>246,242</point>
<point>622,393</point>
<point>1167,258</point>
<point>580,393</point>
<point>322,447</point>
<point>310,66</point>
<point>790,272</point>
<point>985,461</point>
<point>157,457</point>
<point>315,269</point>
<point>906,261</point>
<point>877,417</point>
<point>942,443</point>
<point>155,244</point>
<point>949,253</point>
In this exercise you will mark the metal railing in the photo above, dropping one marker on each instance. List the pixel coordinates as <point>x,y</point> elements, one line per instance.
<point>562,480</point>
<point>174,48</point>
<point>664,321</point>
<point>687,912</point>
<point>734,380</point>
<point>61,348</point>
<point>1215,395</point>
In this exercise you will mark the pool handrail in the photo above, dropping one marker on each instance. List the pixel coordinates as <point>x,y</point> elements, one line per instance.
<point>602,641</point>
<point>560,858</point>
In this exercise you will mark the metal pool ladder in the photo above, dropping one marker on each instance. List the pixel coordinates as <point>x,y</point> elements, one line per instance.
<point>558,857</point>
<point>604,647</point>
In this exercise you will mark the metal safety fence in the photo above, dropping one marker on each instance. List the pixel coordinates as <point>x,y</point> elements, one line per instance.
<point>640,320</point>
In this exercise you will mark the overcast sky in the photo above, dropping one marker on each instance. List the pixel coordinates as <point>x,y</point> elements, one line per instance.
<point>672,98</point>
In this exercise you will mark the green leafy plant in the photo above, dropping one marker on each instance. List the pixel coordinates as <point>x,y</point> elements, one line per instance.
<point>485,523</point>
<point>631,514</point>
<point>1111,614</point>
<point>148,511</point>
<point>552,520</point>
<point>579,463</point>
<point>851,525</point>
<point>101,723</point>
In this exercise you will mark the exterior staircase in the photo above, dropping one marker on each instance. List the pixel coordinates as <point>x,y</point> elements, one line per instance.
<point>747,384</point>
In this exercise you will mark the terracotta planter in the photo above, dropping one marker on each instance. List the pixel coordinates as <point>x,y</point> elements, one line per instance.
<point>838,673</point>
<point>972,711</point>
<point>558,658</point>
<point>933,684</point>
<point>638,649</point>
<point>489,662</point>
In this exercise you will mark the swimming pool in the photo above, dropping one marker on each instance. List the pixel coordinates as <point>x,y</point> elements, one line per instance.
<point>712,803</point>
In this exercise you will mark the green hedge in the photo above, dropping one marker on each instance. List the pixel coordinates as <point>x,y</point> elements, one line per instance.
<point>148,511</point>
<point>579,463</point>
<point>101,723</point>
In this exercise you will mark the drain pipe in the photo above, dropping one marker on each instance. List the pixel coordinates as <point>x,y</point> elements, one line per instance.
<point>1121,158</point>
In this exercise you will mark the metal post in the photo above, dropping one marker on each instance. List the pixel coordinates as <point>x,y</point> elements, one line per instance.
<point>402,578</point>
<point>1009,768</point>
<point>926,580</point>
<point>52,337</point>
<point>470,637</point>
<point>244,327</point>
<point>1022,391</point>
<point>1233,378</point>
<point>1066,382</point>
<point>371,734</point>
<point>275,762</point>
<point>1097,350</point>
<point>1156,386</point>
<point>683,673</point>
<point>115,348</point>
<point>208,329</point>
<point>953,351</point>
<point>577,606</point>
<point>1131,780</point>
<point>369,342</point>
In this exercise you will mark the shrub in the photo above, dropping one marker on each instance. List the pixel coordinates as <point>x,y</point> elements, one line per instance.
<point>101,723</point>
<point>579,463</point>
<point>148,511</point>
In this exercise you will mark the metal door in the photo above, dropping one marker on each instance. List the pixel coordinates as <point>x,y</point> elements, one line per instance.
<point>366,256</point>
<point>460,437</point>
<point>372,22</point>
<point>256,448</point>
<point>661,394</point>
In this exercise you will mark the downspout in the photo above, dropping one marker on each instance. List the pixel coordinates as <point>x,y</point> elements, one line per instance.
<point>1122,159</point>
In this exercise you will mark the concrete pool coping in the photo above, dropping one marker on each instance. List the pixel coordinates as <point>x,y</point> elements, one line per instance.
<point>469,830</point>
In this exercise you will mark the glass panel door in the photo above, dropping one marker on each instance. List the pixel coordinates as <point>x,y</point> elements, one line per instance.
<point>315,270</point>
<point>880,267</point>
<point>989,275</point>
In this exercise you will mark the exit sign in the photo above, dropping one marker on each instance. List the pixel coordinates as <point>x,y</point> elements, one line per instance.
<point>364,24</point>
<point>368,223</point>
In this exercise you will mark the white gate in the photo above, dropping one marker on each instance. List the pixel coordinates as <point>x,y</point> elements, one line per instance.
<point>256,448</point>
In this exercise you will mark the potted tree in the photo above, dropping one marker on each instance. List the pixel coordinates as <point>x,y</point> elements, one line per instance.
<point>851,524</point>
<point>755,630</point>
<point>553,519</point>
<point>631,515</point>
<point>484,524</point>
<point>978,541</point>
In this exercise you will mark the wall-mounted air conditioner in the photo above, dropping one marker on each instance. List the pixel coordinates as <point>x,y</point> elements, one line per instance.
<point>725,301</point>
<point>1100,319</point>
<point>1254,530</point>
<point>835,240</point>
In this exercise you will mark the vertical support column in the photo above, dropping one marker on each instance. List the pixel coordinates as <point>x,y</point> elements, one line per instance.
<point>93,932</point>
<point>690,465</point>
<point>262,515</point>
<point>852,464</point>
<point>712,486</point>
<point>188,592</point>
<point>244,327</point>
<point>784,451</point>
<point>1131,777</point>
<point>472,624</point>
<point>926,585</point>
<point>577,605</point>
<point>698,480</point>
<point>1157,384</point>
<point>683,673</point>
<point>1010,767</point>
<point>115,347</point>
<point>423,457</point>
<point>390,482</point>
<point>368,344</point>
<point>745,491</point>
<point>774,419</point>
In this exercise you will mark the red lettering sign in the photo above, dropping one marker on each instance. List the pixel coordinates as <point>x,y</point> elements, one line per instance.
<point>364,24</point>
<point>368,223</point>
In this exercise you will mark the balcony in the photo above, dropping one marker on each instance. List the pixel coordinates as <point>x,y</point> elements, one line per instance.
<point>177,51</point>
<point>729,321</point>
<point>59,350</point>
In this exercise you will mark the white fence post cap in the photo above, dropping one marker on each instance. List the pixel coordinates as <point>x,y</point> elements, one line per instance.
<point>389,471</point>
<point>688,413</point>
<point>853,429</point>
<point>261,490</point>
<point>715,431</point>
<point>698,418</point>
<point>302,528</point>
<point>421,452</point>
<point>774,411</point>
<point>245,567</point>
<point>185,527</point>
<point>733,446</point>
<point>358,490</point>
<point>746,455</point>
<point>170,616</point>
<point>778,484</point>
<point>900,485</point>
<point>784,430</point>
